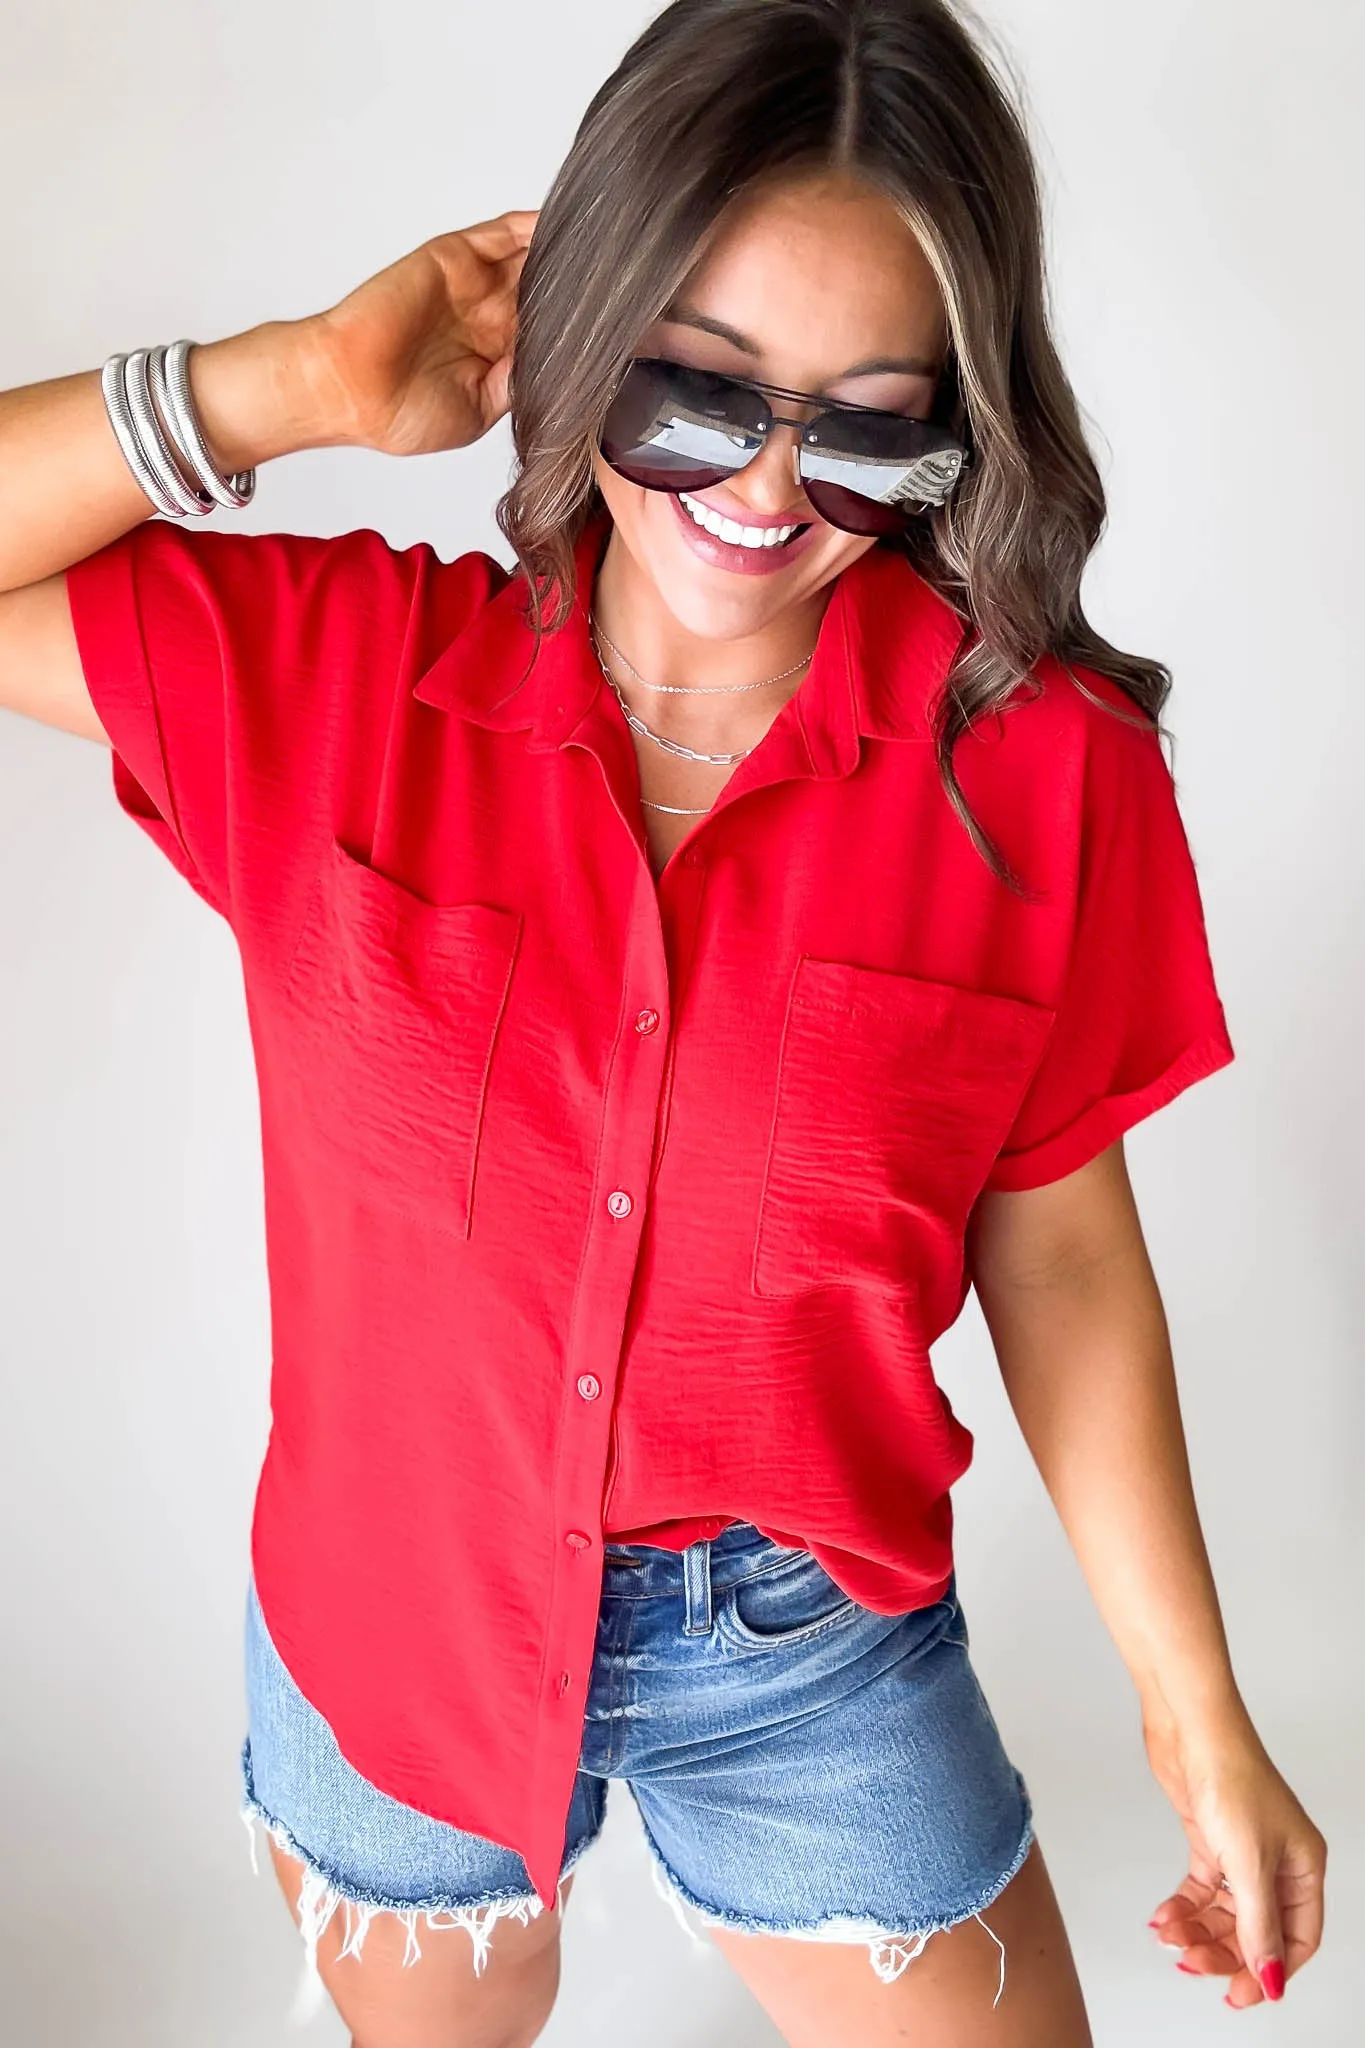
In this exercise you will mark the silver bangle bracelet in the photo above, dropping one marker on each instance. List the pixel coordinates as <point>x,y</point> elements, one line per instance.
<point>151,410</point>
<point>155,447</point>
<point>121,420</point>
<point>170,369</point>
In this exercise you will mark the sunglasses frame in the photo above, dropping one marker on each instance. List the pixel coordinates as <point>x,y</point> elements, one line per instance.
<point>956,427</point>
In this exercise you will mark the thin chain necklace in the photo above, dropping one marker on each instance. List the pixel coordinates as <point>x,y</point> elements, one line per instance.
<point>638,725</point>
<point>693,689</point>
<point>661,740</point>
<point>669,746</point>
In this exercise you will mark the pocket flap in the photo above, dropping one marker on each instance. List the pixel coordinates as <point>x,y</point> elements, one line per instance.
<point>373,913</point>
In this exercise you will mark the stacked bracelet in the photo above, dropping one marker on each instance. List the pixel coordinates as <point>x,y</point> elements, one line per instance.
<point>147,397</point>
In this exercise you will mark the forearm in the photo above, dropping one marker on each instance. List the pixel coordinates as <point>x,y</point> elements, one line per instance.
<point>1083,1348</point>
<point>65,488</point>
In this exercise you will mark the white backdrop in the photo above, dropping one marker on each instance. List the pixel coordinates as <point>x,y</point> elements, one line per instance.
<point>192,168</point>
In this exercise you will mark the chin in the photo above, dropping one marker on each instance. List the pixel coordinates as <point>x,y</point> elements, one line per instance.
<point>718,613</point>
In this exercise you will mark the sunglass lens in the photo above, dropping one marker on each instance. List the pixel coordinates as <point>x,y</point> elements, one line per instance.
<point>673,429</point>
<point>851,512</point>
<point>865,471</point>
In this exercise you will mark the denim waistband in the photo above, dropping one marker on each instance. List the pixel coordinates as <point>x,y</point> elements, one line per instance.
<point>645,1571</point>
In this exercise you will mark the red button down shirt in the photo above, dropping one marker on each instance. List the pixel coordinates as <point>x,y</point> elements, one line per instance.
<point>595,1205</point>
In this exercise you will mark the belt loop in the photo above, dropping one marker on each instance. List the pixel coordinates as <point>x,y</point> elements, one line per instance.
<point>697,1586</point>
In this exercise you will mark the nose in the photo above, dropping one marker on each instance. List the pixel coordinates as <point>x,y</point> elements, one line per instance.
<point>771,483</point>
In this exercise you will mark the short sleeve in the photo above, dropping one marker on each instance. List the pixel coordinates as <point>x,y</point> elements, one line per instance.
<point>239,677</point>
<point>1140,1018</point>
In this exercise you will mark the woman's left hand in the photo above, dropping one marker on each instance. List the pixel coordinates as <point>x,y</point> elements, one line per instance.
<point>1252,1905</point>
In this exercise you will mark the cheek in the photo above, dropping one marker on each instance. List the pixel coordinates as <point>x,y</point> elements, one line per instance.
<point>626,502</point>
<point>642,519</point>
<point>837,551</point>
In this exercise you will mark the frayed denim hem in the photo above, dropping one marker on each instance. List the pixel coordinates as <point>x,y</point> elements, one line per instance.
<point>890,1950</point>
<point>323,1894</point>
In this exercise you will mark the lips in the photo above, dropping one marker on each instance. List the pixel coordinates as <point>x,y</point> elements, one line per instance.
<point>751,553</point>
<point>751,533</point>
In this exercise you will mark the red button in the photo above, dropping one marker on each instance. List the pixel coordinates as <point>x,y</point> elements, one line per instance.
<point>576,1540</point>
<point>619,1202</point>
<point>589,1386</point>
<point>647,1021</point>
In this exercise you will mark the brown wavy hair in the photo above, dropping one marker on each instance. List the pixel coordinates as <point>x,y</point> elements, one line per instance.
<point>911,96</point>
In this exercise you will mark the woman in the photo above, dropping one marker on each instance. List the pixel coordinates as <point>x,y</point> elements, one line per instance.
<point>676,972</point>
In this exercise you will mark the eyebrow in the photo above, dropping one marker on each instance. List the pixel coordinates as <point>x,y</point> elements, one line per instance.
<point>875,366</point>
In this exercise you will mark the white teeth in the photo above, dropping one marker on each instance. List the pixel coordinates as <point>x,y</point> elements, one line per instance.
<point>730,531</point>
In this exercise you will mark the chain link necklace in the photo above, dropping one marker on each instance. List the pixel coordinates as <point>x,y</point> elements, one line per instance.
<point>661,740</point>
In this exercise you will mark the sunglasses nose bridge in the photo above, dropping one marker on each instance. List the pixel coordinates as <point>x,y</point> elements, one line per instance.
<point>797,430</point>
<point>771,437</point>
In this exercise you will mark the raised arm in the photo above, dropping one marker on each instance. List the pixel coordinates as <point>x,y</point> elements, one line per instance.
<point>415,360</point>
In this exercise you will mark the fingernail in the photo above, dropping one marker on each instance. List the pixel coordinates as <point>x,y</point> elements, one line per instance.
<point>1271,1975</point>
<point>1189,1969</point>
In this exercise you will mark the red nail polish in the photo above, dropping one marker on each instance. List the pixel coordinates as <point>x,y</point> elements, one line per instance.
<point>1271,1975</point>
<point>1189,1969</point>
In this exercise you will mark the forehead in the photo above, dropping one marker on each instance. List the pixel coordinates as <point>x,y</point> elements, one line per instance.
<point>823,271</point>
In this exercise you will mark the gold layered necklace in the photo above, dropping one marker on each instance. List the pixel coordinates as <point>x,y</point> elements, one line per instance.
<point>661,740</point>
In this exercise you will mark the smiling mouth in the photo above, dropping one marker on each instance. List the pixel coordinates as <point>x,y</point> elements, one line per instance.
<point>758,538</point>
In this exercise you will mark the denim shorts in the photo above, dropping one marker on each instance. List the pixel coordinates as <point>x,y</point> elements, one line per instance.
<point>802,1765</point>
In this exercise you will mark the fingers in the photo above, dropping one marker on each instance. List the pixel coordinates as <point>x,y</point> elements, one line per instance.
<point>495,398</point>
<point>483,387</point>
<point>1301,1889</point>
<point>1251,1877</point>
<point>508,235</point>
<point>1198,1921</point>
<point>1232,1929</point>
<point>1203,1950</point>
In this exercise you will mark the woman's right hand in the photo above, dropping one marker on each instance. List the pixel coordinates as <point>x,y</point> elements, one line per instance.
<point>416,359</point>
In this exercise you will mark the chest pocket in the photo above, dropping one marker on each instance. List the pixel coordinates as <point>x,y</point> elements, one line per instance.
<point>894,1096</point>
<point>392,1007</point>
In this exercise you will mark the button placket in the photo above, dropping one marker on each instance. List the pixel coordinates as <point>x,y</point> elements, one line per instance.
<point>630,1110</point>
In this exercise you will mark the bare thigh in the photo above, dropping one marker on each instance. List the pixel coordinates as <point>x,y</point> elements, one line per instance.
<point>826,1995</point>
<point>438,2002</point>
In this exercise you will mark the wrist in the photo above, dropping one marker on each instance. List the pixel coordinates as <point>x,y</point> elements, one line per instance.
<point>266,392</point>
<point>1207,1714</point>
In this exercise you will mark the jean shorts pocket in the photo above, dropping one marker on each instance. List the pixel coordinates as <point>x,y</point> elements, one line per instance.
<point>784,1604</point>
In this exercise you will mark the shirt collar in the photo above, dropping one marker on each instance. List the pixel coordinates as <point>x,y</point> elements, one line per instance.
<point>885,646</point>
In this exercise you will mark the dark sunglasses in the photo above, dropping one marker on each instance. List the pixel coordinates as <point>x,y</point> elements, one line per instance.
<point>669,428</point>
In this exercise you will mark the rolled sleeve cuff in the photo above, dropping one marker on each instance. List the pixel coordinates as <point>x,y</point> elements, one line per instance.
<point>1106,1120</point>
<point>102,595</point>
